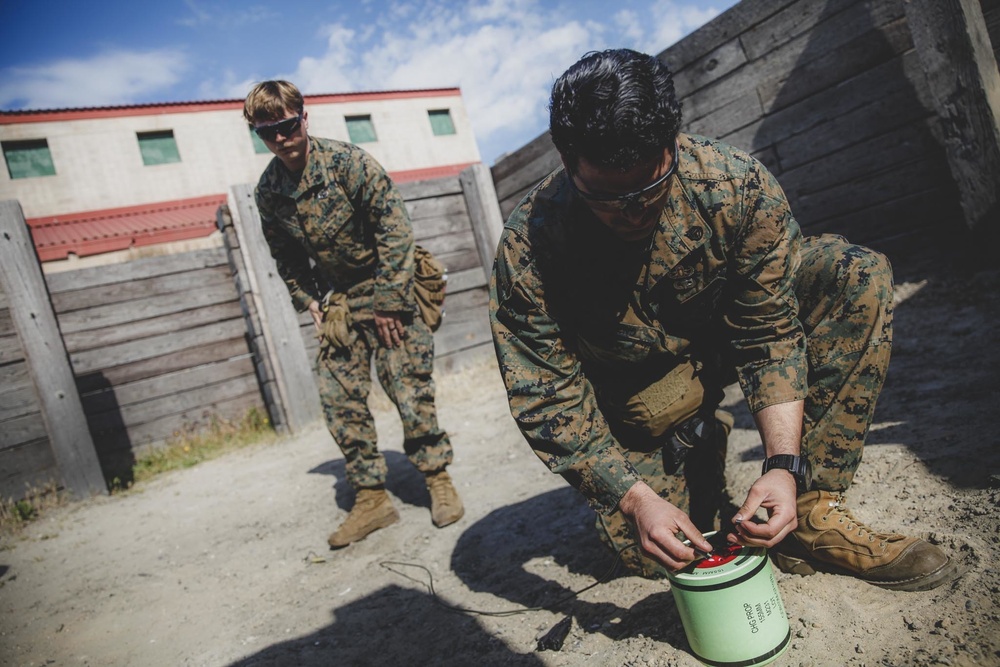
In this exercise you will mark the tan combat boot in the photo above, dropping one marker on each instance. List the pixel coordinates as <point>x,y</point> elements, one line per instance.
<point>446,506</point>
<point>830,539</point>
<point>372,510</point>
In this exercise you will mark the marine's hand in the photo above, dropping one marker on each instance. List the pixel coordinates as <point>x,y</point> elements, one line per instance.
<point>317,315</point>
<point>775,493</point>
<point>658,522</point>
<point>389,327</point>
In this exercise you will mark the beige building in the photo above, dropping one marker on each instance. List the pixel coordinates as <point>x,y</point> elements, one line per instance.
<point>71,167</point>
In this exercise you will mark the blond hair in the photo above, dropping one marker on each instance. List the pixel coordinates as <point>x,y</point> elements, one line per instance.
<point>272,100</point>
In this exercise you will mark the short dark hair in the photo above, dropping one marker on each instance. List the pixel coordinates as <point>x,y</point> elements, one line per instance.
<point>616,108</point>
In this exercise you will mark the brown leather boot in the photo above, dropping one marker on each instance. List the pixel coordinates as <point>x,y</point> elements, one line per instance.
<point>830,539</point>
<point>372,510</point>
<point>446,506</point>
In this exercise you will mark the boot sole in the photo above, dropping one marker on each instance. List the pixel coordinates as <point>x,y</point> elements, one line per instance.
<point>382,522</point>
<point>447,521</point>
<point>801,566</point>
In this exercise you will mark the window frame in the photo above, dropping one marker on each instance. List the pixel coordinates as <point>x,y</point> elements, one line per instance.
<point>371,127</point>
<point>441,113</point>
<point>23,146</point>
<point>147,151</point>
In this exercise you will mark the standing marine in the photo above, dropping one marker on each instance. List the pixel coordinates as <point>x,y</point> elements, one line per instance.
<point>342,240</point>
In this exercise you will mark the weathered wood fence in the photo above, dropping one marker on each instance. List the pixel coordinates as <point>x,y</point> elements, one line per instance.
<point>880,118</point>
<point>98,364</point>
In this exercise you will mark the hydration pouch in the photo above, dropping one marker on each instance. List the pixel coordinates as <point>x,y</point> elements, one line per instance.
<point>430,280</point>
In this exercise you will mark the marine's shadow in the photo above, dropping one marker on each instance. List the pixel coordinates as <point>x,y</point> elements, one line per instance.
<point>519,552</point>
<point>404,481</point>
<point>393,625</point>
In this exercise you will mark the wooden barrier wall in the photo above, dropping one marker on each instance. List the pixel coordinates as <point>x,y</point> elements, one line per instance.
<point>26,458</point>
<point>834,98</point>
<point>157,346</point>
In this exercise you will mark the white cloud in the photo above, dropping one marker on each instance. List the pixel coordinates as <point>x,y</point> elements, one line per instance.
<point>503,54</point>
<point>109,78</point>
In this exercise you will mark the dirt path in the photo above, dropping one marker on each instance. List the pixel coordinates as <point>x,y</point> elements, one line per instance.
<point>226,563</point>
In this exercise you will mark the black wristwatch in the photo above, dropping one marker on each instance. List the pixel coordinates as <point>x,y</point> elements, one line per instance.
<point>797,465</point>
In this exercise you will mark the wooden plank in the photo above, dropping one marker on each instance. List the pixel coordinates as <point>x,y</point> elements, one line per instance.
<point>857,161</point>
<point>960,69</point>
<point>711,67</point>
<point>737,114</point>
<point>14,375</point>
<point>19,430</point>
<point>10,350</point>
<point>291,366</point>
<point>45,353</point>
<point>731,23</point>
<point>870,190</point>
<point>165,324</point>
<point>880,227</point>
<point>803,17</point>
<point>511,164</point>
<point>205,353</point>
<point>847,44</point>
<point>201,398</point>
<point>838,60</point>
<point>110,356</point>
<point>116,314</point>
<point>427,228</point>
<point>530,175</point>
<point>429,188</point>
<point>484,213</point>
<point>162,430</point>
<point>139,269</point>
<point>6,324</point>
<point>134,290</point>
<point>459,281</point>
<point>873,103</point>
<point>436,208</point>
<point>17,402</point>
<point>26,467</point>
<point>160,386</point>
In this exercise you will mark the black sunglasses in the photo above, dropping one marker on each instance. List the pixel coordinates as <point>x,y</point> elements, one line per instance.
<point>285,128</point>
<point>630,199</point>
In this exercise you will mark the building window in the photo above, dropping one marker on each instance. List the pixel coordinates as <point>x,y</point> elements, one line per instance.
<point>258,144</point>
<point>360,129</point>
<point>441,122</point>
<point>158,147</point>
<point>26,159</point>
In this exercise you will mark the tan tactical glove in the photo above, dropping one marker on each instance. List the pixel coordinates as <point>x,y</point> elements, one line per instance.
<point>335,332</point>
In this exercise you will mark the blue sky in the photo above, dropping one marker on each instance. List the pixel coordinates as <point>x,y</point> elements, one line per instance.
<point>503,54</point>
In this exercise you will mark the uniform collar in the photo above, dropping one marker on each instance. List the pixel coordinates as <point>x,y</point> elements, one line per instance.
<point>682,228</point>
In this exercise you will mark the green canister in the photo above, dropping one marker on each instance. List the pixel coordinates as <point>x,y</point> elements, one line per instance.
<point>731,609</point>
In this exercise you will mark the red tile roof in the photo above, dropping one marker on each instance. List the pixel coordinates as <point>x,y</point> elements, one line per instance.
<point>107,230</point>
<point>83,113</point>
<point>96,232</point>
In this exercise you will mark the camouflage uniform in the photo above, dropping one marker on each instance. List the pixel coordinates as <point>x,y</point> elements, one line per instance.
<point>582,320</point>
<point>345,215</point>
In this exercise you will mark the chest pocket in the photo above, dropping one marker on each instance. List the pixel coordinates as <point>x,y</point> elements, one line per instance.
<point>627,343</point>
<point>686,300</point>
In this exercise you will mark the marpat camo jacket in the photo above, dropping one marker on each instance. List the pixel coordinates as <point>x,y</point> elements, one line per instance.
<point>574,309</point>
<point>345,214</point>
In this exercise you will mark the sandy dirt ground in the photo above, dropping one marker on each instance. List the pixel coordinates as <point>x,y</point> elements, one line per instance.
<point>226,563</point>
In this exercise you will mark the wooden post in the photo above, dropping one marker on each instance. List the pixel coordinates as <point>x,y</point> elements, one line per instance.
<point>961,71</point>
<point>484,211</point>
<point>289,361</point>
<point>46,357</point>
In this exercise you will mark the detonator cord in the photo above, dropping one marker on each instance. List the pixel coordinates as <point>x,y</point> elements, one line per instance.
<point>388,564</point>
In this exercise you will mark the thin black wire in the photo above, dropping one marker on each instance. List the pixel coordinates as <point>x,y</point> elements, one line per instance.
<point>509,612</point>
